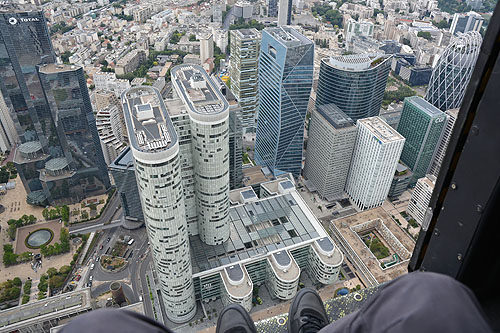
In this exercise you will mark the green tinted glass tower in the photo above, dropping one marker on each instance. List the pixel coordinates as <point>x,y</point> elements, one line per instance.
<point>421,124</point>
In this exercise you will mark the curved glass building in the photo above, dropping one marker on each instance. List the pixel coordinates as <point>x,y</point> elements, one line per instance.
<point>355,83</point>
<point>453,71</point>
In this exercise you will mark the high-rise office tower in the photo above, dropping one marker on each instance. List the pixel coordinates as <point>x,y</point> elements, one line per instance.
<point>421,197</point>
<point>245,48</point>
<point>453,71</point>
<point>285,81</point>
<point>440,151</point>
<point>123,172</point>
<point>8,134</point>
<point>51,168</point>
<point>272,8</point>
<point>332,135</point>
<point>421,125</point>
<point>155,148</point>
<point>209,118</point>
<point>206,47</point>
<point>82,164</point>
<point>463,23</point>
<point>374,161</point>
<point>355,83</point>
<point>285,12</point>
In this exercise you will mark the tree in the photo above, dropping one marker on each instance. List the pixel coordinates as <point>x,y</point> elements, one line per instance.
<point>4,176</point>
<point>192,38</point>
<point>56,281</point>
<point>51,272</point>
<point>424,34</point>
<point>64,270</point>
<point>109,47</point>
<point>17,281</point>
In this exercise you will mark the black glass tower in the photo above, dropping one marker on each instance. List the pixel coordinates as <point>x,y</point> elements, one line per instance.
<point>355,83</point>
<point>43,149</point>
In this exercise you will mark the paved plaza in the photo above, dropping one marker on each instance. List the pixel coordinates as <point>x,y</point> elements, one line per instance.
<point>23,232</point>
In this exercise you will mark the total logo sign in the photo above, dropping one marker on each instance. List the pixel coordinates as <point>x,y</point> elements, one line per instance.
<point>14,21</point>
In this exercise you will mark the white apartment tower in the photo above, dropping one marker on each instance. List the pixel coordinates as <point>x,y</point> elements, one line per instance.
<point>206,47</point>
<point>155,149</point>
<point>284,12</point>
<point>440,151</point>
<point>421,197</point>
<point>332,136</point>
<point>375,158</point>
<point>245,48</point>
<point>209,117</point>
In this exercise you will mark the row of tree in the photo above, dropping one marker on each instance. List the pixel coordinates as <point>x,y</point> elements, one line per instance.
<point>14,224</point>
<point>57,248</point>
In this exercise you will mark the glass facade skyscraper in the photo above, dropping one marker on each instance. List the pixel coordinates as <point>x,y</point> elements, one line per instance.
<point>451,75</point>
<point>421,124</point>
<point>43,149</point>
<point>355,83</point>
<point>82,163</point>
<point>285,80</point>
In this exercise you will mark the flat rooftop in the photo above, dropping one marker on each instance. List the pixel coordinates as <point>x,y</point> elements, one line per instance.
<point>197,89</point>
<point>38,311</point>
<point>381,129</point>
<point>288,36</point>
<point>425,106</point>
<point>124,161</point>
<point>254,176</point>
<point>237,281</point>
<point>258,228</point>
<point>248,33</point>
<point>344,225</point>
<point>148,123</point>
<point>356,62</point>
<point>334,115</point>
<point>57,68</point>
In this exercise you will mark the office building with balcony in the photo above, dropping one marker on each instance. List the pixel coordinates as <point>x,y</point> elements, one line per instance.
<point>245,48</point>
<point>421,125</point>
<point>376,155</point>
<point>285,81</point>
<point>332,136</point>
<point>355,83</point>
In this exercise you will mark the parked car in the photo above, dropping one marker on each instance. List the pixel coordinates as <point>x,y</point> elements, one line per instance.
<point>78,277</point>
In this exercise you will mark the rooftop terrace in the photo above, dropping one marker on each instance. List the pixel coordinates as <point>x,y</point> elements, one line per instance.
<point>197,90</point>
<point>148,123</point>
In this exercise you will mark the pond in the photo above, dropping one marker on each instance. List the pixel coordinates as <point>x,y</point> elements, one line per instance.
<point>39,238</point>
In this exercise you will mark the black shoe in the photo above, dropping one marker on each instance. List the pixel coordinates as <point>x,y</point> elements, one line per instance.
<point>235,319</point>
<point>307,313</point>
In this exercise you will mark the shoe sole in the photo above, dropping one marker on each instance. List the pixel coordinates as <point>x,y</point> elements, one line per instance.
<point>296,301</point>
<point>242,311</point>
